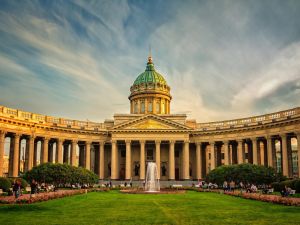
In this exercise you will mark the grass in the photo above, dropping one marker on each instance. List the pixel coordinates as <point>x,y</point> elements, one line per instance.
<point>116,208</point>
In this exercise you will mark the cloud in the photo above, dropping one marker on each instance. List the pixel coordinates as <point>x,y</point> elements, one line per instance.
<point>222,59</point>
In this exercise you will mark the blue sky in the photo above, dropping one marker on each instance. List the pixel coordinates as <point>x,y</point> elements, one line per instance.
<point>78,59</point>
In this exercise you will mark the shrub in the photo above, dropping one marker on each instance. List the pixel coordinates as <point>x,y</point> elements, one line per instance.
<point>24,183</point>
<point>60,174</point>
<point>5,184</point>
<point>276,186</point>
<point>246,173</point>
<point>297,186</point>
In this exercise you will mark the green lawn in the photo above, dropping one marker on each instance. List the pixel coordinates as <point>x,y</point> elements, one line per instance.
<point>116,208</point>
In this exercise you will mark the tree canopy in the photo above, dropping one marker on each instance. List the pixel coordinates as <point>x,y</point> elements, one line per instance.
<point>246,173</point>
<point>60,174</point>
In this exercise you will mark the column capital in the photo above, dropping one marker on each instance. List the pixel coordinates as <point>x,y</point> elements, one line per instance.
<point>142,141</point>
<point>186,141</point>
<point>113,141</point>
<point>226,142</point>
<point>128,141</point>
<point>268,137</point>
<point>17,135</point>
<point>239,140</point>
<point>297,133</point>
<point>157,141</point>
<point>3,132</point>
<point>253,138</point>
<point>172,141</point>
<point>46,138</point>
<point>74,141</point>
<point>282,135</point>
<point>101,142</point>
<point>88,142</point>
<point>212,143</point>
<point>198,142</point>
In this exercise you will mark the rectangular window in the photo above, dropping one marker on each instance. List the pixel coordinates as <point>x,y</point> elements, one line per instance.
<point>208,155</point>
<point>142,107</point>
<point>149,154</point>
<point>177,153</point>
<point>150,107</point>
<point>223,156</point>
<point>123,153</point>
<point>157,107</point>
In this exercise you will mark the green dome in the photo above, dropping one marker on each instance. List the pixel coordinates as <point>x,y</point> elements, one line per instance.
<point>150,75</point>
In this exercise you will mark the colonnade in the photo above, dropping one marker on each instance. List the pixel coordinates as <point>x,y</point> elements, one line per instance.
<point>209,154</point>
<point>65,152</point>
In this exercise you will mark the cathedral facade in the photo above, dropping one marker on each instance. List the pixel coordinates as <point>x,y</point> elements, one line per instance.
<point>119,149</point>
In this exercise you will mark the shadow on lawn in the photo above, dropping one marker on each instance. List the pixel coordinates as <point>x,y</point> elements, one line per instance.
<point>22,208</point>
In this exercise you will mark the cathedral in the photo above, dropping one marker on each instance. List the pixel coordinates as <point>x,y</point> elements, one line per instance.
<point>119,149</point>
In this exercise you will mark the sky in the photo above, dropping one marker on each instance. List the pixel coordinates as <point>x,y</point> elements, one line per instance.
<point>78,59</point>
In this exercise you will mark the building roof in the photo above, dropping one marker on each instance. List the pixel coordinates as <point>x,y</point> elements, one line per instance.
<point>150,75</point>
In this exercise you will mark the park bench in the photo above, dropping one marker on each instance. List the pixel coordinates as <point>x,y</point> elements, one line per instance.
<point>270,191</point>
<point>176,185</point>
<point>292,192</point>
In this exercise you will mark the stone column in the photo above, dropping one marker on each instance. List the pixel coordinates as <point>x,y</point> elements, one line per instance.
<point>2,143</point>
<point>88,155</point>
<point>240,151</point>
<point>285,166</point>
<point>172,160</point>
<point>114,160</point>
<point>186,160</point>
<point>298,148</point>
<point>73,152</point>
<point>157,157</point>
<point>226,153</point>
<point>270,151</point>
<point>212,156</point>
<point>262,152</point>
<point>128,160</point>
<point>45,150</point>
<point>142,160</point>
<point>198,161</point>
<point>101,163</point>
<point>30,152</point>
<point>59,158</point>
<point>254,150</point>
<point>16,155</point>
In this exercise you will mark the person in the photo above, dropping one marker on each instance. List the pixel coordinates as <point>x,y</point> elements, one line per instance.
<point>225,186</point>
<point>232,185</point>
<point>16,188</point>
<point>33,186</point>
<point>253,188</point>
<point>284,192</point>
<point>241,185</point>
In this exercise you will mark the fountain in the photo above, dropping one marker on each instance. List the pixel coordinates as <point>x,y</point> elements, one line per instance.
<point>152,181</point>
<point>151,185</point>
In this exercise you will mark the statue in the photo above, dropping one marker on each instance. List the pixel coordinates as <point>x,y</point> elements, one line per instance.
<point>136,169</point>
<point>163,170</point>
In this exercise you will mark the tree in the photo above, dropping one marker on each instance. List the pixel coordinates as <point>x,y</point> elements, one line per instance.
<point>60,174</point>
<point>246,173</point>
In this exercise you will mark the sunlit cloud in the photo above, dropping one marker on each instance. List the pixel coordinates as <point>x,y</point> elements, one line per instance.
<point>78,59</point>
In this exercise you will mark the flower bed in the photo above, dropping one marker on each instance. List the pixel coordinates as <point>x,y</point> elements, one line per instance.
<point>259,197</point>
<point>26,199</point>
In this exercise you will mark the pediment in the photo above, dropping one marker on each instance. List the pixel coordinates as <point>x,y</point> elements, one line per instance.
<point>151,122</point>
